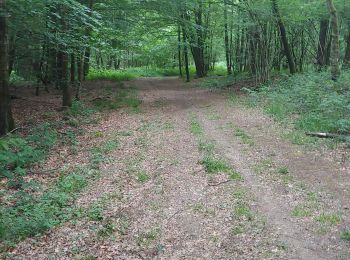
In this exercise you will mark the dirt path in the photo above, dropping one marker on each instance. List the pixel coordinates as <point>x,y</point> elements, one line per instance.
<point>158,201</point>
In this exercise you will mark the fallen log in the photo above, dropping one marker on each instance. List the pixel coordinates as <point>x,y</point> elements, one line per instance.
<point>329,135</point>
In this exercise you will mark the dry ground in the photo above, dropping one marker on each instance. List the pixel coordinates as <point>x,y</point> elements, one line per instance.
<point>160,203</point>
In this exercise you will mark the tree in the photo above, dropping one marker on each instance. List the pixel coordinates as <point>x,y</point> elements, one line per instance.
<point>284,38</point>
<point>334,55</point>
<point>6,120</point>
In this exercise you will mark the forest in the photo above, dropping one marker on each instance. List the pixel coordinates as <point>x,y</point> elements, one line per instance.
<point>174,129</point>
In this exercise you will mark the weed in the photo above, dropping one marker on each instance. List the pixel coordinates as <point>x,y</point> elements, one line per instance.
<point>145,239</point>
<point>346,235</point>
<point>206,147</point>
<point>213,165</point>
<point>283,170</point>
<point>263,166</point>
<point>237,230</point>
<point>196,128</point>
<point>95,213</point>
<point>246,139</point>
<point>242,211</point>
<point>142,177</point>
<point>106,230</point>
<point>301,212</point>
<point>328,219</point>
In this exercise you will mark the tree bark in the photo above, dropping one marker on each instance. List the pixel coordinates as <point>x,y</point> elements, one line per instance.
<point>347,51</point>
<point>6,120</point>
<point>284,39</point>
<point>334,56</point>
<point>322,48</point>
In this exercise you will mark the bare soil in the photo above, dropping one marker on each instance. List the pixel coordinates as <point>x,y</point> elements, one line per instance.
<point>160,203</point>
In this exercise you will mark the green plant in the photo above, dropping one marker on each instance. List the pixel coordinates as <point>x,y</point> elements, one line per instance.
<point>142,177</point>
<point>196,128</point>
<point>213,165</point>
<point>346,235</point>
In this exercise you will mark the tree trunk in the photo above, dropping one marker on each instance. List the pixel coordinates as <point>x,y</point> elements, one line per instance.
<point>63,61</point>
<point>334,56</point>
<point>322,48</point>
<point>347,51</point>
<point>179,48</point>
<point>184,39</point>
<point>72,69</point>
<point>284,38</point>
<point>227,45</point>
<point>6,120</point>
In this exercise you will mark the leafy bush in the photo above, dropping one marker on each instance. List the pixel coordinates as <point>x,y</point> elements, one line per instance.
<point>317,103</point>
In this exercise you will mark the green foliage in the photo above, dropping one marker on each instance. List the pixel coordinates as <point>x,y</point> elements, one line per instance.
<point>30,215</point>
<point>16,153</point>
<point>317,103</point>
<point>110,75</point>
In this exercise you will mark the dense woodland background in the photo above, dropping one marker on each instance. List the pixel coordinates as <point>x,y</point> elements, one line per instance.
<point>294,56</point>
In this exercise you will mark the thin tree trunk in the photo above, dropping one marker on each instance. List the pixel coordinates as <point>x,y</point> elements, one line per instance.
<point>334,56</point>
<point>347,51</point>
<point>321,53</point>
<point>227,46</point>
<point>179,48</point>
<point>284,38</point>
<point>184,39</point>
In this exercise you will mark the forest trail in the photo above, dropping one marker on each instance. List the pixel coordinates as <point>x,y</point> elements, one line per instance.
<point>158,200</point>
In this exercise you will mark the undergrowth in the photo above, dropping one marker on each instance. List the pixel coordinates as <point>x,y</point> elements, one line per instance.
<point>29,208</point>
<point>313,101</point>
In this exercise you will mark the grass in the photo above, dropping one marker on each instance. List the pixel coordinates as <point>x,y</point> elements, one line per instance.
<point>328,219</point>
<point>213,165</point>
<point>245,138</point>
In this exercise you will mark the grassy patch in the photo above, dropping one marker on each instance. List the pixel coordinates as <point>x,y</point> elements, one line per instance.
<point>213,165</point>
<point>328,219</point>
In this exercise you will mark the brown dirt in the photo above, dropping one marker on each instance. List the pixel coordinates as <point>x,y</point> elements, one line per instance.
<point>177,214</point>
